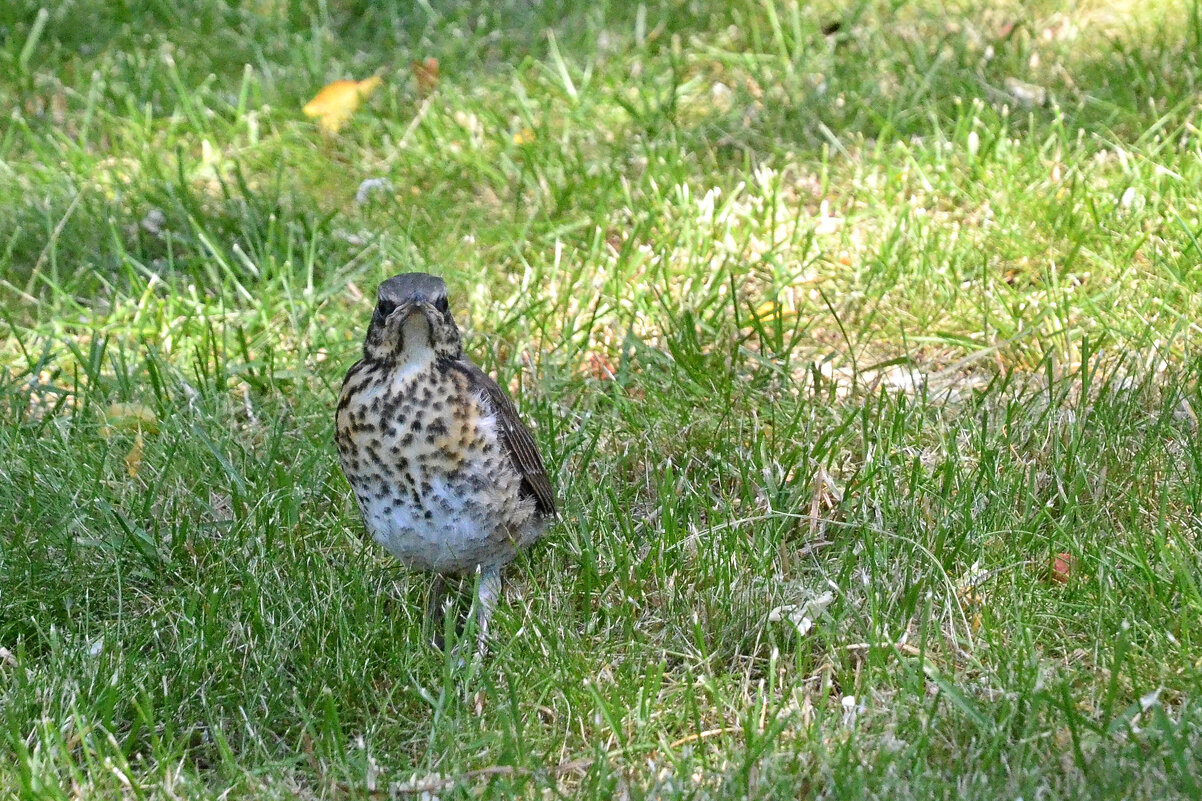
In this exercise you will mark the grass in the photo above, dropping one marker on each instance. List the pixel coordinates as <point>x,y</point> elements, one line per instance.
<point>872,324</point>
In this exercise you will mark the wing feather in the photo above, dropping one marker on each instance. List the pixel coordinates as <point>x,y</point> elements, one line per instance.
<point>518,441</point>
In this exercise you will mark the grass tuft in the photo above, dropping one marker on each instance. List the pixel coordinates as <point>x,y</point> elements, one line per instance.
<point>860,340</point>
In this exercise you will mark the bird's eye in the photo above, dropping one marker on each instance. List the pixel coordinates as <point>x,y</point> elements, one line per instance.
<point>385,307</point>
<point>441,304</point>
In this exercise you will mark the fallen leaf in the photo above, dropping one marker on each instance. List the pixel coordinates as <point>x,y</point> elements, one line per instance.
<point>336,102</point>
<point>1062,568</point>
<point>133,459</point>
<point>599,367</point>
<point>130,417</point>
<point>425,75</point>
<point>971,602</point>
<point>769,308</point>
<point>523,137</point>
<point>802,615</point>
<point>969,598</point>
<point>134,417</point>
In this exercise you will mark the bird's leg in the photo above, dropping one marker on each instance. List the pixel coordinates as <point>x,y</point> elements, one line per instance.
<point>488,591</point>
<point>436,610</point>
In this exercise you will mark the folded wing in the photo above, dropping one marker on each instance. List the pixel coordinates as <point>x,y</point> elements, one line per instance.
<point>518,442</point>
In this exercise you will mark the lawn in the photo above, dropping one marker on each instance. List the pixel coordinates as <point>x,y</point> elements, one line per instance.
<point>860,339</point>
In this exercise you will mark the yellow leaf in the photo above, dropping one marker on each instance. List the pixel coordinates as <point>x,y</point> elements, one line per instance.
<point>769,308</point>
<point>130,416</point>
<point>133,459</point>
<point>523,137</point>
<point>335,103</point>
<point>765,309</point>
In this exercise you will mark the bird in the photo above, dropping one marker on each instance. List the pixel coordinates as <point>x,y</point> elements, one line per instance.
<point>446,476</point>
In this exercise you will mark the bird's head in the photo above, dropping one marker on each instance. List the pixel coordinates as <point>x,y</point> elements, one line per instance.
<point>412,321</point>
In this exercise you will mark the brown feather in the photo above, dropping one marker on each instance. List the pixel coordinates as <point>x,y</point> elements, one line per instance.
<point>519,443</point>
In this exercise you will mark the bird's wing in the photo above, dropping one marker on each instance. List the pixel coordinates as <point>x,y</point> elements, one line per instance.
<point>523,451</point>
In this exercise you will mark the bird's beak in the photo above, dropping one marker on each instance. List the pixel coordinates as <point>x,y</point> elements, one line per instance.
<point>402,311</point>
<point>426,308</point>
<point>401,314</point>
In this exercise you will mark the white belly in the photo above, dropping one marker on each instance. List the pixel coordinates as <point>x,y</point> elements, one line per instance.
<point>451,530</point>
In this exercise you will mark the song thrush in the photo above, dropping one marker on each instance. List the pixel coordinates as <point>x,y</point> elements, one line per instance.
<point>447,477</point>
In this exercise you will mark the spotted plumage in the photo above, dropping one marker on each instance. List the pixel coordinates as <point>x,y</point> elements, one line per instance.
<point>447,477</point>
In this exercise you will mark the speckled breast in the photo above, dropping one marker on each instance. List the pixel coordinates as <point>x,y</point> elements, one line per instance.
<point>421,451</point>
